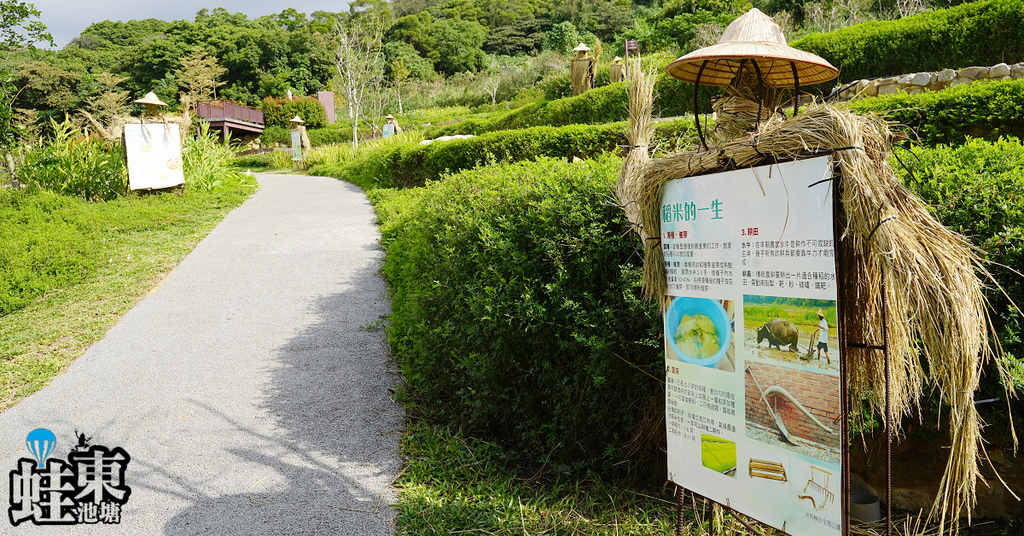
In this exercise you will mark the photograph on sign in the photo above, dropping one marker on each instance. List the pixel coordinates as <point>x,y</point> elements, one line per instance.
<point>791,330</point>
<point>154,155</point>
<point>751,345</point>
<point>700,331</point>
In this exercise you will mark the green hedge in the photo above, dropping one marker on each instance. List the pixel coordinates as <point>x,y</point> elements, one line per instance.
<point>398,163</point>
<point>975,33</point>
<point>604,104</point>
<point>515,308</point>
<point>981,110</point>
<point>977,189</point>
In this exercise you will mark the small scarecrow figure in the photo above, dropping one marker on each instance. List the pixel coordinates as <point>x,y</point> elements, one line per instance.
<point>152,104</point>
<point>615,71</point>
<point>582,70</point>
<point>391,127</point>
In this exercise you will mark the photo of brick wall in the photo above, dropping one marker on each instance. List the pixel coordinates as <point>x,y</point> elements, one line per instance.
<point>814,429</point>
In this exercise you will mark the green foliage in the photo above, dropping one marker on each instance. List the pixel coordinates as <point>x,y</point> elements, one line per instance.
<point>975,33</point>
<point>278,112</point>
<point>986,110</point>
<point>977,189</point>
<point>515,307</point>
<point>275,135</point>
<point>67,164</point>
<point>401,163</point>
<point>48,243</point>
<point>458,45</point>
<point>603,104</point>
<point>206,161</point>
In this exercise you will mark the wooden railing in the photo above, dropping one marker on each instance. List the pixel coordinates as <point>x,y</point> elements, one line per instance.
<point>219,110</point>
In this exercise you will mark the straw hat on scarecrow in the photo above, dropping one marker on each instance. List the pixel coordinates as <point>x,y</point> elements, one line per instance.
<point>892,253</point>
<point>152,104</point>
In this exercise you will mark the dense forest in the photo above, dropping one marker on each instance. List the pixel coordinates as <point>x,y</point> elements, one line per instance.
<point>414,45</point>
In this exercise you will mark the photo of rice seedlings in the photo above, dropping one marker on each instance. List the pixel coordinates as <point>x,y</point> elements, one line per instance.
<point>699,331</point>
<point>718,454</point>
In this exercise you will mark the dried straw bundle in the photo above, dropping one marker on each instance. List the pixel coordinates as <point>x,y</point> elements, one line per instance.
<point>933,292</point>
<point>639,135</point>
<point>115,129</point>
<point>579,74</point>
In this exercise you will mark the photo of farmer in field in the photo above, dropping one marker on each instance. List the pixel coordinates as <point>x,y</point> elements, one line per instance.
<point>792,330</point>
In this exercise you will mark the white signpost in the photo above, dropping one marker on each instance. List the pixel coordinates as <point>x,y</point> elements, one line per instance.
<point>154,155</point>
<point>753,403</point>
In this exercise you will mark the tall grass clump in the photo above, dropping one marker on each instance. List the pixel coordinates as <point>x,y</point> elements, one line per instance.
<point>207,161</point>
<point>517,315</point>
<point>69,164</point>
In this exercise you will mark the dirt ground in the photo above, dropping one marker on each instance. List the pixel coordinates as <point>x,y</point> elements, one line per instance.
<point>800,357</point>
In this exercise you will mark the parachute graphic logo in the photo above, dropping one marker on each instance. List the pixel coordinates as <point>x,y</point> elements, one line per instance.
<point>89,488</point>
<point>40,443</point>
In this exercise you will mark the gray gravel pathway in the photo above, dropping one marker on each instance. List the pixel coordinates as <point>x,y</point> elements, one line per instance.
<point>250,388</point>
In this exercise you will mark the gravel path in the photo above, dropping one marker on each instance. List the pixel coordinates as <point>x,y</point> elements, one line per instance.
<point>250,388</point>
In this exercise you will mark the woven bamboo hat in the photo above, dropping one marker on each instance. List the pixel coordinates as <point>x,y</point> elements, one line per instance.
<point>581,47</point>
<point>151,99</point>
<point>754,37</point>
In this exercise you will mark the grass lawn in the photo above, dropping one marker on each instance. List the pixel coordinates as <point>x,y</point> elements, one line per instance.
<point>139,240</point>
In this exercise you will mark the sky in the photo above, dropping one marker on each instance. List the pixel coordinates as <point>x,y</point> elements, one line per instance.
<point>65,19</point>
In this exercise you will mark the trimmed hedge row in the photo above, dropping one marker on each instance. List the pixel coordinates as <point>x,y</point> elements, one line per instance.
<point>396,162</point>
<point>974,33</point>
<point>605,104</point>
<point>985,110</point>
<point>515,309</point>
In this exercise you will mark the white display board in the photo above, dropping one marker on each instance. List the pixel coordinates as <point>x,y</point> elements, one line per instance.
<point>753,403</point>
<point>154,155</point>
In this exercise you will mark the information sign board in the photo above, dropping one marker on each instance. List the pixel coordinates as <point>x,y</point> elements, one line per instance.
<point>154,155</point>
<point>751,345</point>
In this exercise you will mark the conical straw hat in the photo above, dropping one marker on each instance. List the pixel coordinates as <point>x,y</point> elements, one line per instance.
<point>581,47</point>
<point>151,98</point>
<point>296,119</point>
<point>753,36</point>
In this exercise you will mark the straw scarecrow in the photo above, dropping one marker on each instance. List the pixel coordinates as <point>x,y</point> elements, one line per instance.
<point>112,132</point>
<point>892,252</point>
<point>615,70</point>
<point>582,69</point>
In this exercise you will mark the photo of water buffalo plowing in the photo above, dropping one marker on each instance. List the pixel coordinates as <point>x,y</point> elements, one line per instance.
<point>791,330</point>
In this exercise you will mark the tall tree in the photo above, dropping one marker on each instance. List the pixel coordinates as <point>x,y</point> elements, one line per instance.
<point>198,76</point>
<point>360,63</point>
<point>20,28</point>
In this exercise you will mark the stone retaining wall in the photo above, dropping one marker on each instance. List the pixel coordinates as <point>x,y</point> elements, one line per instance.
<point>934,81</point>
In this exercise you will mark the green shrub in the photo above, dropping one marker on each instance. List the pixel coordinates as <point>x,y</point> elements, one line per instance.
<point>330,134</point>
<point>278,112</point>
<point>401,161</point>
<point>603,104</point>
<point>974,33</point>
<point>986,110</point>
<point>516,307</point>
<point>66,163</point>
<point>273,135</point>
<point>206,161</point>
